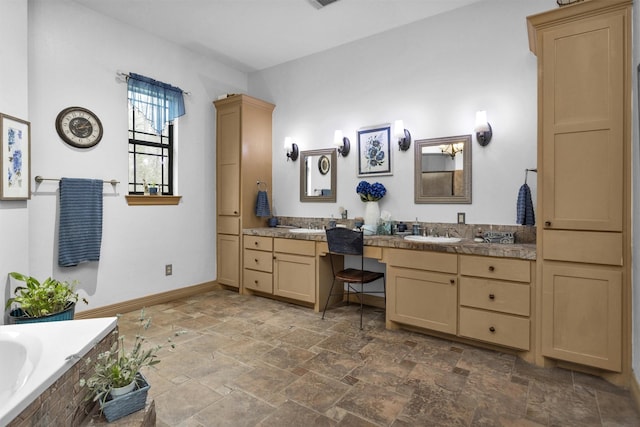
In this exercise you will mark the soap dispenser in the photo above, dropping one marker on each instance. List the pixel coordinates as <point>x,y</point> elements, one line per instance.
<point>416,228</point>
<point>478,237</point>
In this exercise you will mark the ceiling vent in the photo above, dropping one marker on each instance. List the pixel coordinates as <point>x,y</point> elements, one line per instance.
<point>321,3</point>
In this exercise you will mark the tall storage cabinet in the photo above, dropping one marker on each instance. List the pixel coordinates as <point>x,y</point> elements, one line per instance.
<point>584,205</point>
<point>243,158</point>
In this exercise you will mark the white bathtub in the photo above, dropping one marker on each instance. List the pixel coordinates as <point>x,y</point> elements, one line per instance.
<point>34,355</point>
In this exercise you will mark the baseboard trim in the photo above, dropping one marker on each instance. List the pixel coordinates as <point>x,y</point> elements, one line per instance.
<point>370,300</point>
<point>634,387</point>
<point>146,301</point>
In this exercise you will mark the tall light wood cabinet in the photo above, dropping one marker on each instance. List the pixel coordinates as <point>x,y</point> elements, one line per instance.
<point>583,246</point>
<point>243,157</point>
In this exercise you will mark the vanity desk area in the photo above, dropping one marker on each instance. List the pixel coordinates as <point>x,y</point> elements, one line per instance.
<point>477,293</point>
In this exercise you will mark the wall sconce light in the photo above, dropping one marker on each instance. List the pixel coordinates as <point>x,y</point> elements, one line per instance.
<point>291,149</point>
<point>403,135</point>
<point>483,128</point>
<point>452,149</point>
<point>342,143</point>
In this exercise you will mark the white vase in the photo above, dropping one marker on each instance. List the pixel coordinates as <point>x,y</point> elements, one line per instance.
<point>371,216</point>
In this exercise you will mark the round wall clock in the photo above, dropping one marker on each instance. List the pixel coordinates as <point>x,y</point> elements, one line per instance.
<point>79,127</point>
<point>324,165</point>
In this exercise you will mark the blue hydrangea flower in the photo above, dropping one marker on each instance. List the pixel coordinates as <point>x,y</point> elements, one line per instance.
<point>370,192</point>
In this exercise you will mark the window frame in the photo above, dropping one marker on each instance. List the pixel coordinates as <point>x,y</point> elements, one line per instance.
<point>165,143</point>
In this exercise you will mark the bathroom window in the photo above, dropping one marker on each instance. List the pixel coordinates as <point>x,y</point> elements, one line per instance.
<point>150,155</point>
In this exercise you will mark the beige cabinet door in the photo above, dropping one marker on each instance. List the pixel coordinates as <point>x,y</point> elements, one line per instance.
<point>582,124</point>
<point>422,298</point>
<point>228,160</point>
<point>228,260</point>
<point>294,277</point>
<point>581,319</point>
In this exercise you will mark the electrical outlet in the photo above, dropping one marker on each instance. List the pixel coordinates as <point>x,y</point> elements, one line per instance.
<point>168,270</point>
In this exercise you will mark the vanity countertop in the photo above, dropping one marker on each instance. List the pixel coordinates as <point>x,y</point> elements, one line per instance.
<point>465,246</point>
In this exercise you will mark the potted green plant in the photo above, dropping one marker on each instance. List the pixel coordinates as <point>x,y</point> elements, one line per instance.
<point>115,379</point>
<point>45,301</point>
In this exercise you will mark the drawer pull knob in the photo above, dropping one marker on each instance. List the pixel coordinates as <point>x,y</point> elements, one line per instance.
<point>255,281</point>
<point>491,268</point>
<point>256,260</point>
<point>492,296</point>
<point>453,281</point>
<point>547,223</point>
<point>255,243</point>
<point>492,329</point>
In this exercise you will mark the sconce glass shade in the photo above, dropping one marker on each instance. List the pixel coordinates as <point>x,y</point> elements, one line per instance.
<point>483,128</point>
<point>291,148</point>
<point>403,135</point>
<point>342,143</point>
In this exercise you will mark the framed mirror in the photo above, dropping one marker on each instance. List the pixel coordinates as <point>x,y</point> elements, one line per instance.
<point>442,172</point>
<point>318,175</point>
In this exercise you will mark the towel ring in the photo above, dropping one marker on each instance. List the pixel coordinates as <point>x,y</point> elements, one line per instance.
<point>262,183</point>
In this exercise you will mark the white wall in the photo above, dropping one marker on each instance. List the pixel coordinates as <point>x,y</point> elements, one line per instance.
<point>14,215</point>
<point>74,54</point>
<point>434,74</point>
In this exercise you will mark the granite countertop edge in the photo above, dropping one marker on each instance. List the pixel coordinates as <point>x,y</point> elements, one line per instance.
<point>525,251</point>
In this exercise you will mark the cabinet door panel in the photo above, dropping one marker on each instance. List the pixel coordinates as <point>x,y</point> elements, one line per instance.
<point>229,260</point>
<point>582,124</point>
<point>228,161</point>
<point>294,277</point>
<point>422,298</point>
<point>581,320</point>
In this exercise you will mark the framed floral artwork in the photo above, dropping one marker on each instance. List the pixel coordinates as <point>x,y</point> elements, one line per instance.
<point>15,162</point>
<point>374,151</point>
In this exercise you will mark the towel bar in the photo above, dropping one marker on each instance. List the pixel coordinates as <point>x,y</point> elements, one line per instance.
<point>39,179</point>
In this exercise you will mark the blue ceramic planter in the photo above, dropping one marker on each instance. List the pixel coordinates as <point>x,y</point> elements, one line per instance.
<point>17,316</point>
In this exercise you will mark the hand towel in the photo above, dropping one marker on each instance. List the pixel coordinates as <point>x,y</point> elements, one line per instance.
<point>80,228</point>
<point>262,204</point>
<point>525,213</point>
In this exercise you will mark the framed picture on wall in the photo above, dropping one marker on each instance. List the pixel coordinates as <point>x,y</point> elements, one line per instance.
<point>15,162</point>
<point>374,151</point>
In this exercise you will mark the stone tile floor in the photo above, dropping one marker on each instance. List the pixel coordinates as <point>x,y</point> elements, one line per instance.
<point>251,361</point>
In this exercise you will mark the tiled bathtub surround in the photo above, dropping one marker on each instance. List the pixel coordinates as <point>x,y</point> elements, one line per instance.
<point>523,234</point>
<point>64,403</point>
<point>251,361</point>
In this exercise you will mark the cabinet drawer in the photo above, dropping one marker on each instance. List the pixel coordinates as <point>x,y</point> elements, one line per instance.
<point>422,260</point>
<point>228,224</point>
<point>298,247</point>
<point>502,329</point>
<point>258,281</point>
<point>373,252</point>
<point>489,294</point>
<point>583,246</point>
<point>258,260</point>
<point>495,268</point>
<point>258,243</point>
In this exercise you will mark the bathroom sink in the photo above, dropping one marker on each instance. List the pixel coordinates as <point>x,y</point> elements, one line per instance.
<point>432,239</point>
<point>306,230</point>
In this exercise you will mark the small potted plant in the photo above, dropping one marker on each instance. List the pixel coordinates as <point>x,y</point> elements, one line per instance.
<point>42,301</point>
<point>115,379</point>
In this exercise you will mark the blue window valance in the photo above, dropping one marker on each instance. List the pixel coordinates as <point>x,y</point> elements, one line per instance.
<point>159,102</point>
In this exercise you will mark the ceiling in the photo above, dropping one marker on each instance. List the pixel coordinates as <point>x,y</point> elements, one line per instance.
<point>252,35</point>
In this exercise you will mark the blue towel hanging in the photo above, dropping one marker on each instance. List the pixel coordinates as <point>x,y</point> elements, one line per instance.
<point>80,228</point>
<point>525,213</point>
<point>262,204</point>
